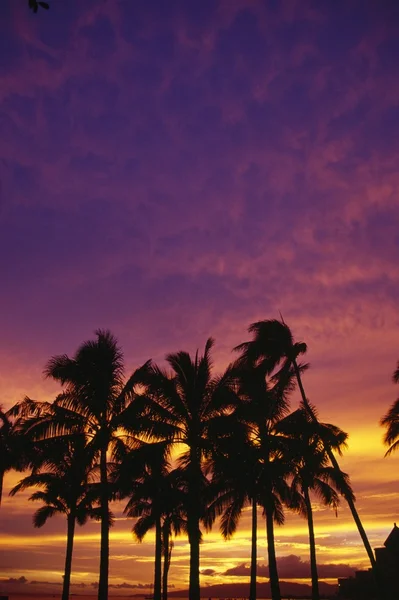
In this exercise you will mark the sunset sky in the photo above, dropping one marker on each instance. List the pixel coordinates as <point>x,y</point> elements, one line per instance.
<point>175,169</point>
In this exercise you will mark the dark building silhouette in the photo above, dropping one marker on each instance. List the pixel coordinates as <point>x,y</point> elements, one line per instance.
<point>361,587</point>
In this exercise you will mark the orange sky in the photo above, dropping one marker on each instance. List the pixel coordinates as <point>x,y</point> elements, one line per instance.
<point>39,555</point>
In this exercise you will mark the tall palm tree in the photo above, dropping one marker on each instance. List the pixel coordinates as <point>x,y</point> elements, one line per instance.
<point>233,493</point>
<point>313,473</point>
<point>174,522</point>
<point>14,452</point>
<point>64,478</point>
<point>195,404</point>
<point>391,421</point>
<point>97,402</point>
<point>273,345</point>
<point>142,475</point>
<point>260,409</point>
<point>157,501</point>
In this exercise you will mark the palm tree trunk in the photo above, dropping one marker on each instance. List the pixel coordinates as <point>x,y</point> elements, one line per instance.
<point>194,540</point>
<point>158,559</point>
<point>104,552</point>
<point>252,585</point>
<point>348,497</point>
<point>271,551</point>
<point>193,522</point>
<point>1,485</point>
<point>68,556</point>
<point>166,561</point>
<point>312,546</point>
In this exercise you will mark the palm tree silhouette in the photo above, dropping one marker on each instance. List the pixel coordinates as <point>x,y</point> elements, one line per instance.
<point>157,501</point>
<point>312,472</point>
<point>391,421</point>
<point>174,522</point>
<point>233,493</point>
<point>97,402</point>
<point>14,447</point>
<point>273,345</point>
<point>64,475</point>
<point>260,409</point>
<point>145,504</point>
<point>194,404</point>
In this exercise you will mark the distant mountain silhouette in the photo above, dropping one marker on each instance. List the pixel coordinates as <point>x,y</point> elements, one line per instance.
<point>241,590</point>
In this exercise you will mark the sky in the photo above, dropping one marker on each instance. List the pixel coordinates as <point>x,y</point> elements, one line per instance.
<point>175,170</point>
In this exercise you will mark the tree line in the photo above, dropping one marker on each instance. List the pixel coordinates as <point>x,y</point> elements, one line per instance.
<point>109,438</point>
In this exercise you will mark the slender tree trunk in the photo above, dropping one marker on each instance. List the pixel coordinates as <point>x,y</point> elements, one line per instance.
<point>68,556</point>
<point>194,540</point>
<point>312,547</point>
<point>167,551</point>
<point>104,552</point>
<point>252,585</point>
<point>348,496</point>
<point>1,485</point>
<point>271,551</point>
<point>158,559</point>
<point>193,518</point>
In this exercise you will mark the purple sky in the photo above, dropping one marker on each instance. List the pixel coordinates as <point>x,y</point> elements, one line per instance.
<point>178,169</point>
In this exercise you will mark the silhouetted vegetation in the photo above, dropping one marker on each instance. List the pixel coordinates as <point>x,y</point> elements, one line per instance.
<point>106,438</point>
<point>391,421</point>
<point>63,470</point>
<point>272,347</point>
<point>35,5</point>
<point>312,472</point>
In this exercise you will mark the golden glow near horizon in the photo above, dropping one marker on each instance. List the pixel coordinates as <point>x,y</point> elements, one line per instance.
<point>337,538</point>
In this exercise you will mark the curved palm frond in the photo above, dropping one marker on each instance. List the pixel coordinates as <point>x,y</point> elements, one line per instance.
<point>391,421</point>
<point>143,526</point>
<point>395,375</point>
<point>43,513</point>
<point>231,516</point>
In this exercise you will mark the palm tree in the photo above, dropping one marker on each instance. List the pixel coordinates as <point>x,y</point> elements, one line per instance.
<point>273,345</point>
<point>157,500</point>
<point>13,446</point>
<point>260,409</point>
<point>391,421</point>
<point>174,522</point>
<point>312,472</point>
<point>195,405</point>
<point>63,476</point>
<point>233,493</point>
<point>97,402</point>
<point>142,474</point>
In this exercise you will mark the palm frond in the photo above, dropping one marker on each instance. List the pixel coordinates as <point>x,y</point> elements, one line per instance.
<point>231,516</point>
<point>391,422</point>
<point>395,375</point>
<point>142,527</point>
<point>32,481</point>
<point>392,448</point>
<point>43,513</point>
<point>325,492</point>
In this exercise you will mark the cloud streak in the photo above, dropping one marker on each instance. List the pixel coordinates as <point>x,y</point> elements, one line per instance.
<point>294,567</point>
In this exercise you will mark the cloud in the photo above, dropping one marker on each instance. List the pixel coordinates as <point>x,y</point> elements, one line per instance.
<point>294,567</point>
<point>15,580</point>
<point>38,582</point>
<point>208,572</point>
<point>132,586</point>
<point>128,586</point>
